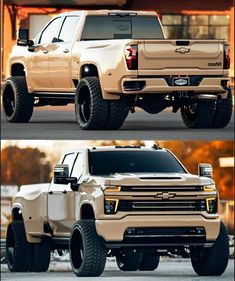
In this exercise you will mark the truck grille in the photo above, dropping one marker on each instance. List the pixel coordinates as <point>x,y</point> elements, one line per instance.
<point>161,188</point>
<point>161,206</point>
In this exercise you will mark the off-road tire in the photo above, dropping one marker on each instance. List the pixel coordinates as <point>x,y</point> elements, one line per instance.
<point>202,117</point>
<point>91,110</point>
<point>17,102</point>
<point>212,261</point>
<point>84,236</point>
<point>223,111</point>
<point>41,255</point>
<point>118,111</point>
<point>129,261</point>
<point>20,259</point>
<point>149,262</point>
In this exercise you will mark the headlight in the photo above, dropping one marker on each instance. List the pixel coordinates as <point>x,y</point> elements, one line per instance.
<point>113,189</point>
<point>110,206</point>
<point>209,187</point>
<point>211,205</point>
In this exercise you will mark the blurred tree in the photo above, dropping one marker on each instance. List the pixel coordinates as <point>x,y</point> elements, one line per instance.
<point>191,153</point>
<point>24,166</point>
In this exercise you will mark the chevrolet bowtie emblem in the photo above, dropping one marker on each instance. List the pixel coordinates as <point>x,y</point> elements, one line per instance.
<point>165,195</point>
<point>182,50</point>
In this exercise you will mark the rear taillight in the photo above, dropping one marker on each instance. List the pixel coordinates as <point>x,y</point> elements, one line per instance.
<point>131,54</point>
<point>226,57</point>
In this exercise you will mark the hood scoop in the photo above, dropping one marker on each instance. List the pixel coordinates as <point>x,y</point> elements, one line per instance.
<point>160,178</point>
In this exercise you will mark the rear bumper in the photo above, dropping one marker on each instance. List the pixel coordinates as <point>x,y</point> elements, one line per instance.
<point>154,85</point>
<point>113,230</point>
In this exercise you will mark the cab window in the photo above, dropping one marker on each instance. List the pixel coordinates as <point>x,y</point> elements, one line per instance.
<point>69,160</point>
<point>50,32</point>
<point>78,167</point>
<point>68,28</point>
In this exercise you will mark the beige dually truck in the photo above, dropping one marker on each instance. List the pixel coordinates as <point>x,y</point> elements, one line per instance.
<point>132,203</point>
<point>110,62</point>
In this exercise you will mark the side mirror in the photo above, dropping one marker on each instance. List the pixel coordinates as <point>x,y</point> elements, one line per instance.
<point>205,170</point>
<point>23,37</point>
<point>61,176</point>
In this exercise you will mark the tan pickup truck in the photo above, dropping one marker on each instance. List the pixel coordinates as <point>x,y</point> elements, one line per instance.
<point>143,205</point>
<point>109,62</point>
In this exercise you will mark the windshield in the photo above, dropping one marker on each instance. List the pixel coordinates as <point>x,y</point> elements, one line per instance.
<point>111,162</point>
<point>115,27</point>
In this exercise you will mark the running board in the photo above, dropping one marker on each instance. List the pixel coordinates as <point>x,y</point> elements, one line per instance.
<point>50,95</point>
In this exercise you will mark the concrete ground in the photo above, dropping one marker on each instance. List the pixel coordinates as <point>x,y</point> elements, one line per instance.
<point>168,270</point>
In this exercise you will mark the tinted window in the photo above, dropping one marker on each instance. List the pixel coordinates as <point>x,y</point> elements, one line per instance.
<point>68,29</point>
<point>115,27</point>
<point>50,32</point>
<point>111,162</point>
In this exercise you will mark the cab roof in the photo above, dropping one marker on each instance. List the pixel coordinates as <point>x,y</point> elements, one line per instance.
<point>109,12</point>
<point>118,147</point>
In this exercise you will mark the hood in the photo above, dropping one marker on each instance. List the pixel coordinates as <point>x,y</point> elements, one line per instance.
<point>151,179</point>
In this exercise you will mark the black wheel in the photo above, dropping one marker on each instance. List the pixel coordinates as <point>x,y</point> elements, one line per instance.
<point>87,252</point>
<point>17,102</point>
<point>41,255</point>
<point>212,261</point>
<point>129,261</point>
<point>199,114</point>
<point>149,262</point>
<point>223,111</point>
<point>118,111</point>
<point>18,250</point>
<point>91,109</point>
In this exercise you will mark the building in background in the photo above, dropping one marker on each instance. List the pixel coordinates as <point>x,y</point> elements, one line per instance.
<point>181,18</point>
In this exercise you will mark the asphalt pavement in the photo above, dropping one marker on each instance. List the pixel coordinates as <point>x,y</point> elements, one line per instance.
<point>168,270</point>
<point>59,123</point>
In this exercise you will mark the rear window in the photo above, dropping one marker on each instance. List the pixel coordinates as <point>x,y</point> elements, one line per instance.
<point>112,162</point>
<point>116,27</point>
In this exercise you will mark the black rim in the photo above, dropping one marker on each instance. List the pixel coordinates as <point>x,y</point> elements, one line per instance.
<point>84,104</point>
<point>76,249</point>
<point>10,249</point>
<point>9,101</point>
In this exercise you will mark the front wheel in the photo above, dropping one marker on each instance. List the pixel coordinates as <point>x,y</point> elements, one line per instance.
<point>87,252</point>
<point>199,114</point>
<point>212,261</point>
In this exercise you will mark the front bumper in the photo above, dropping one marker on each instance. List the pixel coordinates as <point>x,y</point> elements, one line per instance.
<point>159,85</point>
<point>113,230</point>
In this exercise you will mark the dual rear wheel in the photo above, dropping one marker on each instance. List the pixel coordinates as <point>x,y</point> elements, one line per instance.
<point>208,114</point>
<point>23,256</point>
<point>93,112</point>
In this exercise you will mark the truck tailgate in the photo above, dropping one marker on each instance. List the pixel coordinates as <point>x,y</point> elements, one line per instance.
<point>180,54</point>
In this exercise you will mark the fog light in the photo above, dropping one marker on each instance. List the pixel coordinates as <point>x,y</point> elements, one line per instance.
<point>211,205</point>
<point>200,230</point>
<point>110,206</point>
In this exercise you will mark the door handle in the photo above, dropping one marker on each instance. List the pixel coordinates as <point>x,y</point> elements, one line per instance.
<point>45,52</point>
<point>65,51</point>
